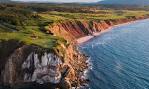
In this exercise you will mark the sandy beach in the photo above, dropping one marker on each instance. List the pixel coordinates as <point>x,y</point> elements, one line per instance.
<point>87,38</point>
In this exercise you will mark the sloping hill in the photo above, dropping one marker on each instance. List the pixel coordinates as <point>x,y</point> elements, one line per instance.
<point>125,2</point>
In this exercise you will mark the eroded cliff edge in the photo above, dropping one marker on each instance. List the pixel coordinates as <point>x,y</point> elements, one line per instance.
<point>72,30</point>
<point>29,66</point>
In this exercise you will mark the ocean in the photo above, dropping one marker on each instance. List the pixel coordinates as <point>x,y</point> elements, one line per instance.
<point>119,58</point>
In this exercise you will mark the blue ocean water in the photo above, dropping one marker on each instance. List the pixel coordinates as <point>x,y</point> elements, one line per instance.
<point>120,57</point>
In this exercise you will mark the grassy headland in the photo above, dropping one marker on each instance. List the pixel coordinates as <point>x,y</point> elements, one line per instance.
<point>28,23</point>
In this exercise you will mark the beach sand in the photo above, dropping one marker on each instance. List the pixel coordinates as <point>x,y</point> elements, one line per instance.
<point>87,38</point>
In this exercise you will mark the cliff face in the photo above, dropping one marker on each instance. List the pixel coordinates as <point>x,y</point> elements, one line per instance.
<point>24,65</point>
<point>76,29</point>
<point>72,30</point>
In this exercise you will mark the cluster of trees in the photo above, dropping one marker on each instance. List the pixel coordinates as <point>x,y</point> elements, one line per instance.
<point>15,15</point>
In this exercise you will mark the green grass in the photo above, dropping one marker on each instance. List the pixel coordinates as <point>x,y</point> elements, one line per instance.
<point>33,37</point>
<point>99,15</point>
<point>21,23</point>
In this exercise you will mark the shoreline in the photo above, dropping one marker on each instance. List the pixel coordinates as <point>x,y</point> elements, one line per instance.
<point>87,38</point>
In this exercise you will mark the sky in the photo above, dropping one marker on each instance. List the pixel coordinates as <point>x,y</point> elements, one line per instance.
<point>61,0</point>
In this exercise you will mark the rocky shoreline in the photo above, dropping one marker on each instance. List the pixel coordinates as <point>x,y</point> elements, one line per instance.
<point>74,32</point>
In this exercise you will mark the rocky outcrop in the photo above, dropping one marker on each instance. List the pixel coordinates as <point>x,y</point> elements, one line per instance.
<point>29,65</point>
<point>42,70</point>
<point>72,30</point>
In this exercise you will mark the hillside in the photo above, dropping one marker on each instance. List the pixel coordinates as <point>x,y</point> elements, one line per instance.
<point>125,2</point>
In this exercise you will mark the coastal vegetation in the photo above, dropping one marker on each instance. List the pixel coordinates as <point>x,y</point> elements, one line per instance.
<point>28,23</point>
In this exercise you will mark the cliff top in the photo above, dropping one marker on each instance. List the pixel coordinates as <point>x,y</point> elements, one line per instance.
<point>28,23</point>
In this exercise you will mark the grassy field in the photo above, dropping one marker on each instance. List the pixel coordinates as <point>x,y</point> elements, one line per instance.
<point>98,15</point>
<point>33,37</point>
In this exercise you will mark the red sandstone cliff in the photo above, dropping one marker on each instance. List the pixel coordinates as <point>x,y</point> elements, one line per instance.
<point>72,30</point>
